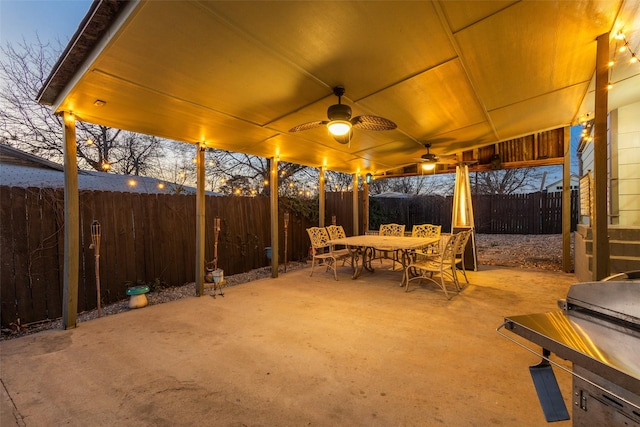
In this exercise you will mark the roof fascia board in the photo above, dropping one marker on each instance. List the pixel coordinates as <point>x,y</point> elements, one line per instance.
<point>128,11</point>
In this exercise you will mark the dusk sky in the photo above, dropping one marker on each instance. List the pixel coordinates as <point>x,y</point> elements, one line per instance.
<point>49,19</point>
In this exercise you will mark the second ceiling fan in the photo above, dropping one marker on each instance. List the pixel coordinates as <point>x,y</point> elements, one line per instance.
<point>429,160</point>
<point>341,124</point>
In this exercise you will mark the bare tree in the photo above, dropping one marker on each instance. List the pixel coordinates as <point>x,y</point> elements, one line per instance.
<point>252,174</point>
<point>423,184</point>
<point>34,128</point>
<point>505,181</point>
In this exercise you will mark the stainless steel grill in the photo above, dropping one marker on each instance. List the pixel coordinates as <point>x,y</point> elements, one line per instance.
<point>598,329</point>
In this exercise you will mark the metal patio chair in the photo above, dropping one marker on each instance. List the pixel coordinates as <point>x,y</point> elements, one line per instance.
<point>424,266</point>
<point>388,230</point>
<point>427,230</point>
<point>323,251</point>
<point>337,232</point>
<point>459,250</point>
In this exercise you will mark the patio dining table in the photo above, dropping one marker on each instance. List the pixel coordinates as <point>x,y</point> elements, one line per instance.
<point>361,249</point>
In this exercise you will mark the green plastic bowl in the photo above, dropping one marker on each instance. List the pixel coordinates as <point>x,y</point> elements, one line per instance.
<point>138,290</point>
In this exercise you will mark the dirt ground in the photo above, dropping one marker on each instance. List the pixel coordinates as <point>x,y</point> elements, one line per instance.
<point>541,251</point>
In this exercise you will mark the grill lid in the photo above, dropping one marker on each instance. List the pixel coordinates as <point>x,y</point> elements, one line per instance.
<point>615,299</point>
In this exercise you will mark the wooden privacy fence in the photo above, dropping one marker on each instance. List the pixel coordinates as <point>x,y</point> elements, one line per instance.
<point>146,238</point>
<point>534,213</point>
<point>150,238</point>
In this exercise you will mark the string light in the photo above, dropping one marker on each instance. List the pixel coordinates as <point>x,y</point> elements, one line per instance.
<point>623,47</point>
<point>587,123</point>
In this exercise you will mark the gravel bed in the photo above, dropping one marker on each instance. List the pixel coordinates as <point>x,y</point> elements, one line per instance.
<point>541,252</point>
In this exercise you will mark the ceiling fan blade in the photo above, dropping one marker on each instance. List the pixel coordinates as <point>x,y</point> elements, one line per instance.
<point>308,125</point>
<point>372,123</point>
<point>449,160</point>
<point>343,139</point>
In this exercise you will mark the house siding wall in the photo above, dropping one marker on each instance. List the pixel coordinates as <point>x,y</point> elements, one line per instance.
<point>628,133</point>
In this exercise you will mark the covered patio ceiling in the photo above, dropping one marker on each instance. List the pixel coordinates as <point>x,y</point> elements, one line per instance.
<point>238,75</point>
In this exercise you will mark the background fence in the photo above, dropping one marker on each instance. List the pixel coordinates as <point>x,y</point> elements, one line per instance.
<point>535,213</point>
<point>150,238</point>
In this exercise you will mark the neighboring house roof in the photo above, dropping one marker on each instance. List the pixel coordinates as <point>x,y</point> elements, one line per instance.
<point>392,195</point>
<point>558,184</point>
<point>20,169</point>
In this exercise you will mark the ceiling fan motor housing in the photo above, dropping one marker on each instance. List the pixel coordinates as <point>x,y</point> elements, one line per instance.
<point>339,112</point>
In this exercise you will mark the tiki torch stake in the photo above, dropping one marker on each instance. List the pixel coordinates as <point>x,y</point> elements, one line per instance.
<point>95,243</point>
<point>286,229</point>
<point>216,232</point>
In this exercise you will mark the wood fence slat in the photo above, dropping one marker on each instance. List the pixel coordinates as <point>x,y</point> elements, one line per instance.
<point>9,312</point>
<point>21,251</point>
<point>36,263</point>
<point>51,217</point>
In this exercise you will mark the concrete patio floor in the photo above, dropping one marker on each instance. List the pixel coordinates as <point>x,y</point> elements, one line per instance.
<point>293,351</point>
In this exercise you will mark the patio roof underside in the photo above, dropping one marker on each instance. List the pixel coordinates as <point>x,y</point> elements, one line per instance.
<point>238,75</point>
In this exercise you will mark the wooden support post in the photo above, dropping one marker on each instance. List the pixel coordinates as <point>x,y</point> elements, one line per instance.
<point>566,202</point>
<point>200,219</point>
<point>71,225</point>
<point>600,221</point>
<point>356,228</point>
<point>273,182</point>
<point>321,198</point>
<point>365,213</point>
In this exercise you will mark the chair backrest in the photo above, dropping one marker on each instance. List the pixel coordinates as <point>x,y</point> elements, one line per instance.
<point>319,237</point>
<point>461,243</point>
<point>336,232</point>
<point>391,230</point>
<point>447,248</point>
<point>426,230</point>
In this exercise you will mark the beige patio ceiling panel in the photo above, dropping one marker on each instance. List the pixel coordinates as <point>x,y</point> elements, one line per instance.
<point>239,75</point>
<point>551,110</point>
<point>134,108</point>
<point>363,45</point>
<point>309,153</point>
<point>532,48</point>
<point>460,15</point>
<point>434,102</point>
<point>206,62</point>
<point>467,138</point>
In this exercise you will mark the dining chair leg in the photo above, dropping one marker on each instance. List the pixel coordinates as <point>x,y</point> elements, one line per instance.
<point>444,288</point>
<point>454,275</point>
<point>313,263</point>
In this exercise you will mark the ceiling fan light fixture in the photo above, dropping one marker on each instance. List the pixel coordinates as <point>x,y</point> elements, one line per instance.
<point>339,127</point>
<point>428,166</point>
